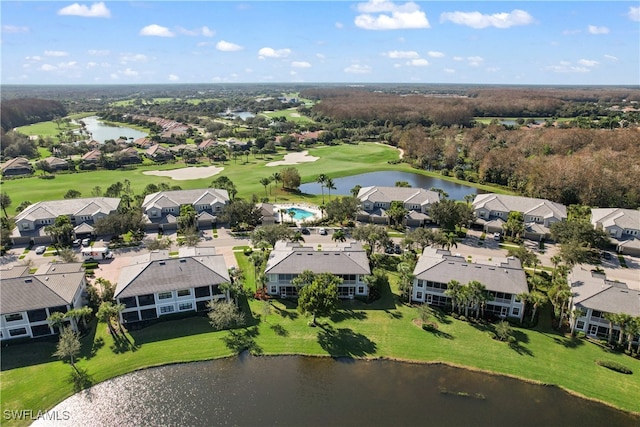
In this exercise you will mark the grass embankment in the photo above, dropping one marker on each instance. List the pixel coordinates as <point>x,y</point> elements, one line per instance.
<point>334,161</point>
<point>32,379</point>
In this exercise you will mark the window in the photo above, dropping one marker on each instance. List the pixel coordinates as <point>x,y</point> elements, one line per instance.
<point>185,306</point>
<point>202,291</point>
<point>420,283</point>
<point>17,332</point>
<point>40,330</point>
<point>361,289</point>
<point>515,311</point>
<point>274,289</point>
<point>418,295</point>
<point>166,309</point>
<point>184,292</point>
<point>131,316</point>
<point>14,317</point>
<point>146,300</point>
<point>147,314</point>
<point>37,315</point>
<point>165,295</point>
<point>580,325</point>
<point>128,302</point>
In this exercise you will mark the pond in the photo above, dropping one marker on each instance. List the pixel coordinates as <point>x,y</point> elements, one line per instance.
<point>296,390</point>
<point>389,179</point>
<point>101,131</point>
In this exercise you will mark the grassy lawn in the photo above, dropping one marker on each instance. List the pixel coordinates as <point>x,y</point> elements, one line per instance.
<point>291,114</point>
<point>32,379</point>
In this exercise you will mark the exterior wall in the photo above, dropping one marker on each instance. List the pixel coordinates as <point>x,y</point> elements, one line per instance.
<point>279,285</point>
<point>433,293</point>
<point>36,326</point>
<point>143,307</point>
<point>594,325</point>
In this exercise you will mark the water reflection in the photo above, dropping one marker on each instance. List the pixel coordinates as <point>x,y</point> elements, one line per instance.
<point>102,132</point>
<point>321,391</point>
<point>389,179</point>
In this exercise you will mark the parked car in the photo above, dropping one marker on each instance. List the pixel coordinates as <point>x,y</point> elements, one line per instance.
<point>397,249</point>
<point>305,231</point>
<point>322,231</point>
<point>86,242</point>
<point>76,242</point>
<point>40,250</point>
<point>496,236</point>
<point>606,255</point>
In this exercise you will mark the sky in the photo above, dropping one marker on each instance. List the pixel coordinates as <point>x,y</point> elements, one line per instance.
<point>377,41</point>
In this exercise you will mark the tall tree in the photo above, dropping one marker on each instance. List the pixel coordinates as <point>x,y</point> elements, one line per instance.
<point>330,186</point>
<point>322,179</point>
<point>320,298</point>
<point>224,315</point>
<point>397,212</point>
<point>453,291</point>
<point>68,346</point>
<point>265,182</point>
<point>5,202</point>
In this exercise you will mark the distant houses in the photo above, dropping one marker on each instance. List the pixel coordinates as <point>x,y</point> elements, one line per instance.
<point>155,285</point>
<point>28,299</point>
<point>492,212</point>
<point>16,166</point>
<point>348,261</point>
<point>375,202</point>
<point>622,226</point>
<point>504,280</point>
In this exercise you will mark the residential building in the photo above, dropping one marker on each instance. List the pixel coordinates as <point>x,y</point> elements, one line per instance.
<point>163,208</point>
<point>492,211</point>
<point>155,284</point>
<point>289,259</point>
<point>267,213</point>
<point>127,156</point>
<point>159,153</point>
<point>29,299</point>
<point>207,143</point>
<point>91,157</point>
<point>622,226</point>
<point>56,164</point>
<point>376,201</point>
<point>16,166</point>
<point>595,296</point>
<point>503,278</point>
<point>83,213</point>
<point>144,142</point>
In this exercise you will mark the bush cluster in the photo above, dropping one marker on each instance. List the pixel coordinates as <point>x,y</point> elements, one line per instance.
<point>614,366</point>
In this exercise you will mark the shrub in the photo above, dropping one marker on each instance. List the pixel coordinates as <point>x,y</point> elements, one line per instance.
<point>614,366</point>
<point>492,335</point>
<point>248,251</point>
<point>581,335</point>
<point>511,339</point>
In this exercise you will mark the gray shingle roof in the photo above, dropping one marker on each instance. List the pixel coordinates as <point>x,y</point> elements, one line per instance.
<point>35,292</point>
<point>526,205</point>
<point>56,208</point>
<point>503,275</point>
<point>417,196</point>
<point>594,291</point>
<point>623,218</point>
<point>293,258</point>
<point>169,274</point>
<point>185,197</point>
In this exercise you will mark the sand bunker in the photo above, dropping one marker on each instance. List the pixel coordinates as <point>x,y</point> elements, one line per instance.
<point>294,159</point>
<point>185,174</point>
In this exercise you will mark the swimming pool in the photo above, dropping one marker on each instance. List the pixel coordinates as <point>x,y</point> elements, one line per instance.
<point>299,214</point>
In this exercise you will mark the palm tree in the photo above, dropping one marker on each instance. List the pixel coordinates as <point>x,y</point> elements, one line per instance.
<point>469,198</point>
<point>5,202</point>
<point>555,260</point>
<point>322,179</point>
<point>631,329</point>
<point>339,236</point>
<point>330,186</point>
<point>265,182</point>
<point>622,321</point>
<point>612,318</point>
<point>355,190</point>
<point>575,314</point>
<point>449,239</point>
<point>406,279</point>
<point>453,291</point>
<point>537,299</point>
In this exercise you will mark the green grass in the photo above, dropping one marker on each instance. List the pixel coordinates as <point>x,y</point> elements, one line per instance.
<point>32,379</point>
<point>291,114</point>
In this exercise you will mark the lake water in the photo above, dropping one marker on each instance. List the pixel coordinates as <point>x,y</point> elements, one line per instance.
<point>303,391</point>
<point>389,179</point>
<point>102,132</point>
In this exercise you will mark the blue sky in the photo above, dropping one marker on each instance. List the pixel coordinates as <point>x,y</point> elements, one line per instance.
<point>502,42</point>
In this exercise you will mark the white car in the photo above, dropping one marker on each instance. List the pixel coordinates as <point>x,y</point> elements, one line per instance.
<point>322,231</point>
<point>40,250</point>
<point>496,236</point>
<point>86,242</point>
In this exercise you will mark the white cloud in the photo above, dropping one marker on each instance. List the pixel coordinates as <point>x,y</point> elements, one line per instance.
<point>320,56</point>
<point>129,72</point>
<point>566,67</point>
<point>267,52</point>
<point>156,31</point>
<point>588,62</point>
<point>435,54</point>
<point>498,20</point>
<point>598,30</point>
<point>301,64</point>
<point>449,70</point>
<point>133,57</point>
<point>33,58</point>
<point>98,52</point>
<point>399,54</point>
<point>358,69</point>
<point>67,65</point>
<point>458,58</point>
<point>14,29</point>
<point>385,15</point>
<point>55,53</point>
<point>97,10</point>
<point>47,67</point>
<point>173,78</point>
<point>202,31</point>
<point>91,64</point>
<point>475,61</point>
<point>611,57</point>
<point>634,13</point>
<point>226,46</point>
<point>420,62</point>
<point>570,32</point>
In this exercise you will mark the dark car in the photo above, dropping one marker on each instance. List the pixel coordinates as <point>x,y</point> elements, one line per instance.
<point>305,230</point>
<point>606,255</point>
<point>397,249</point>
